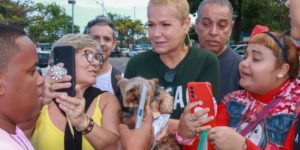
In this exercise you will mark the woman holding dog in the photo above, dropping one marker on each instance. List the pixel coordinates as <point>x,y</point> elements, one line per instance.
<point>261,116</point>
<point>171,61</point>
<point>93,114</point>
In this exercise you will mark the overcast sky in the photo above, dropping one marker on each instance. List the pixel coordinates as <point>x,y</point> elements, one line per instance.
<point>86,10</point>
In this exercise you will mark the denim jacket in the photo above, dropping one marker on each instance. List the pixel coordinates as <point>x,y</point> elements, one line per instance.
<point>274,127</point>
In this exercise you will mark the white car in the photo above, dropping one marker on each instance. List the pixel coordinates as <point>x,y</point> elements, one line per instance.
<point>239,48</point>
<point>124,51</point>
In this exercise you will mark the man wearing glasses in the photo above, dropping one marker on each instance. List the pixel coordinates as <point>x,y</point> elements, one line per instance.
<point>102,30</point>
<point>213,26</point>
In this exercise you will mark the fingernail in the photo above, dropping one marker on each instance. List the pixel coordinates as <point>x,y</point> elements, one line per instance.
<point>207,109</point>
<point>57,100</point>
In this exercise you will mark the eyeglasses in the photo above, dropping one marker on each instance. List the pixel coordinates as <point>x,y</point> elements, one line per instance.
<point>90,56</point>
<point>169,77</point>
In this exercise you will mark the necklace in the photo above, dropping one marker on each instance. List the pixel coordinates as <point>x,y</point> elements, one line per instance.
<point>18,139</point>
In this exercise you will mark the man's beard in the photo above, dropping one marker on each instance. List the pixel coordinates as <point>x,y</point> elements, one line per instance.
<point>106,56</point>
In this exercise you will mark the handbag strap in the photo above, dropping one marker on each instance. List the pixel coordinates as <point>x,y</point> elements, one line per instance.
<point>260,116</point>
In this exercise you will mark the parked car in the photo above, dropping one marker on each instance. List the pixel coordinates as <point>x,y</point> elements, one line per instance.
<point>239,48</point>
<point>135,51</point>
<point>124,52</point>
<point>43,60</point>
<point>132,52</point>
<point>116,52</point>
<point>43,63</point>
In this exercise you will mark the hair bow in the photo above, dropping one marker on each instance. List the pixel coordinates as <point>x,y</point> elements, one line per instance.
<point>258,29</point>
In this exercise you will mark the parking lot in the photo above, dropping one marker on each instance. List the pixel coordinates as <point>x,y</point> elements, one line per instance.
<point>119,62</point>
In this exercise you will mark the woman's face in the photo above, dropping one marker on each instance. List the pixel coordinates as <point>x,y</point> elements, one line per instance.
<point>258,70</point>
<point>165,30</point>
<point>294,6</point>
<point>86,71</point>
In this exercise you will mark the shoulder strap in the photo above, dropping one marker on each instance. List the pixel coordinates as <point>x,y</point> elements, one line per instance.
<point>260,116</point>
<point>90,95</point>
<point>114,81</point>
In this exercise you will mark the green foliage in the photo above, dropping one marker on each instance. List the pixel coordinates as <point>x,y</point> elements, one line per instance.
<point>127,30</point>
<point>248,13</point>
<point>16,13</point>
<point>50,23</point>
<point>271,13</point>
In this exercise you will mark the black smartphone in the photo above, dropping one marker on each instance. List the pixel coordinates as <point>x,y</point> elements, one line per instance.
<point>66,55</point>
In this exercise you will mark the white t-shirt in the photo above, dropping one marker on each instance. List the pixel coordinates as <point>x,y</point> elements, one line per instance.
<point>16,141</point>
<point>103,82</point>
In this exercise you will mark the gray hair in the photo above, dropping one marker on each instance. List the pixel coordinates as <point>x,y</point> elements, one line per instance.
<point>100,20</point>
<point>78,41</point>
<point>217,2</point>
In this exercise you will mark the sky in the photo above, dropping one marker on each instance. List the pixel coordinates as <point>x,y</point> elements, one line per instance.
<point>86,10</point>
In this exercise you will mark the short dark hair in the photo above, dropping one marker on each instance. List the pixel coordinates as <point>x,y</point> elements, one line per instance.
<point>100,20</point>
<point>8,45</point>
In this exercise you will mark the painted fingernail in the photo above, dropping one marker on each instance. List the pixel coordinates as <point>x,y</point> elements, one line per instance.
<point>207,109</point>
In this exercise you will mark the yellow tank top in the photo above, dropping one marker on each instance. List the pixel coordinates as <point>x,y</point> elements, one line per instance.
<point>47,137</point>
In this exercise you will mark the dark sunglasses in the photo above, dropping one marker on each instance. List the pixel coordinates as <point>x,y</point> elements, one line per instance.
<point>169,77</point>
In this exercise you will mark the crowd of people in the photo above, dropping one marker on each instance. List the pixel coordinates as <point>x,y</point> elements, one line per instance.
<point>257,97</point>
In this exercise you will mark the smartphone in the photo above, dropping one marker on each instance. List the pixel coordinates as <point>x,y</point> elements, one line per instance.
<point>201,92</point>
<point>66,55</point>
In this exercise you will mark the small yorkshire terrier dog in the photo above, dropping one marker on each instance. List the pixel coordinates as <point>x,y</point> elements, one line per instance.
<point>159,100</point>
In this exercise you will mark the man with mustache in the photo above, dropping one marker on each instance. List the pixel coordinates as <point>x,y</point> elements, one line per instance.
<point>102,29</point>
<point>213,26</point>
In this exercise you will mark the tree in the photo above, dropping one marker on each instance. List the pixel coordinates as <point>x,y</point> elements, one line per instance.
<point>248,13</point>
<point>51,22</point>
<point>16,13</point>
<point>127,30</point>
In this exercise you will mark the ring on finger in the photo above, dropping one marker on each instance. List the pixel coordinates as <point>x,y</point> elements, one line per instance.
<point>191,118</point>
<point>212,131</point>
<point>49,86</point>
<point>195,132</point>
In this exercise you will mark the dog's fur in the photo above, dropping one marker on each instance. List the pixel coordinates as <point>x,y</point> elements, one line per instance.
<point>160,101</point>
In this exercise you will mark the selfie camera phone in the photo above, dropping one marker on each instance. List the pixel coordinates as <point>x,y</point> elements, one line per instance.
<point>66,55</point>
<point>140,112</point>
<point>201,92</point>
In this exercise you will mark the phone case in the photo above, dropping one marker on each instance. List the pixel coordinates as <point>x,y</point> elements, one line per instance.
<point>201,92</point>
<point>66,55</point>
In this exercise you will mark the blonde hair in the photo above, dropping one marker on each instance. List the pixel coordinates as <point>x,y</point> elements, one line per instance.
<point>78,41</point>
<point>181,7</point>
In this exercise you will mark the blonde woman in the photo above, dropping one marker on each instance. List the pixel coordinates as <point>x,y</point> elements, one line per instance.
<point>171,61</point>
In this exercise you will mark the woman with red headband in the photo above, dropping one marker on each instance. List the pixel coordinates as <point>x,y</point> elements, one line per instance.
<point>262,115</point>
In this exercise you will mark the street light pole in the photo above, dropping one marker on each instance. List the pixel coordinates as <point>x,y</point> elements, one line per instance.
<point>73,3</point>
<point>134,13</point>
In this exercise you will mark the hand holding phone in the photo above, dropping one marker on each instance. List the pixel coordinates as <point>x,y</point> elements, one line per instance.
<point>66,55</point>
<point>201,92</point>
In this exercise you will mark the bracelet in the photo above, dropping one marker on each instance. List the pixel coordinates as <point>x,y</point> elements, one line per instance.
<point>89,127</point>
<point>183,141</point>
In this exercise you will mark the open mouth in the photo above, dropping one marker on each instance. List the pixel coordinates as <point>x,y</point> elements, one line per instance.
<point>245,74</point>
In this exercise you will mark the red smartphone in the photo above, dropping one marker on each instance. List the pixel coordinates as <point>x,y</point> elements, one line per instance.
<point>201,92</point>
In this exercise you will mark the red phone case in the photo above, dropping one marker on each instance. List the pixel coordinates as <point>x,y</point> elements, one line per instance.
<point>201,92</point>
